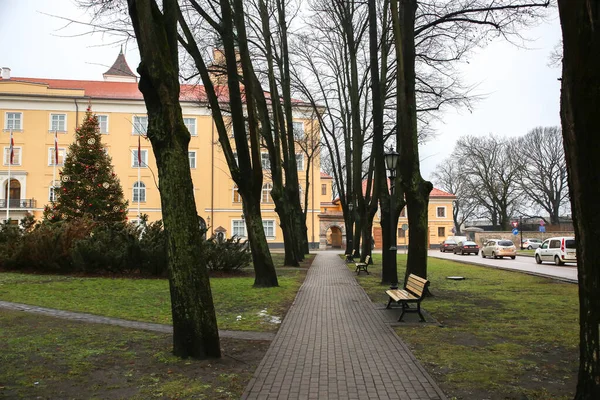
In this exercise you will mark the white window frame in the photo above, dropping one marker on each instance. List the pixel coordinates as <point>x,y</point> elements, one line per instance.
<point>134,157</point>
<point>190,158</point>
<point>236,225</point>
<point>18,155</point>
<point>300,161</point>
<point>299,134</point>
<point>52,129</point>
<point>437,214</point>
<point>265,162</point>
<point>6,119</point>
<point>272,227</point>
<point>235,193</point>
<point>52,190</point>
<point>194,131</point>
<point>106,130</point>
<point>140,189</point>
<point>62,153</point>
<point>136,121</point>
<point>266,188</point>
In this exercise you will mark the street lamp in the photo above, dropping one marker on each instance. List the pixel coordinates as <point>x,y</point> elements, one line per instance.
<point>391,161</point>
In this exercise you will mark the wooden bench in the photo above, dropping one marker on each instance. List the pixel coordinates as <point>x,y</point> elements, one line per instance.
<point>413,292</point>
<point>363,266</point>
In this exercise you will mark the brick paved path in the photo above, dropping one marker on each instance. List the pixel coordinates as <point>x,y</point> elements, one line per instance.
<point>333,345</point>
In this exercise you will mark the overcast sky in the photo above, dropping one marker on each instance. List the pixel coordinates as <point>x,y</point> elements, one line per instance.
<point>521,91</point>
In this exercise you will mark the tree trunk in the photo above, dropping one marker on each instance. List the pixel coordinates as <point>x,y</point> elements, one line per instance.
<point>417,201</point>
<point>349,222</point>
<point>356,235</point>
<point>580,96</point>
<point>265,274</point>
<point>416,189</point>
<point>195,332</point>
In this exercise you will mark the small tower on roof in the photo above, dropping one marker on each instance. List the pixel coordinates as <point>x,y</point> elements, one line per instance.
<point>120,71</point>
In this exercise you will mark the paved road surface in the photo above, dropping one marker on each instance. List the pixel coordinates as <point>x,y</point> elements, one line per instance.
<point>568,272</point>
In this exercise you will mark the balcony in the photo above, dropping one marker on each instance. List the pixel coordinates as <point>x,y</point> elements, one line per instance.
<point>15,204</point>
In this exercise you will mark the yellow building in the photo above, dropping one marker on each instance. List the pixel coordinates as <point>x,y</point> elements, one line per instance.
<point>333,231</point>
<point>33,109</point>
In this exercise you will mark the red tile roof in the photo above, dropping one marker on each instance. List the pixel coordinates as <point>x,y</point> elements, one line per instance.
<point>129,90</point>
<point>325,176</point>
<point>440,193</point>
<point>111,90</point>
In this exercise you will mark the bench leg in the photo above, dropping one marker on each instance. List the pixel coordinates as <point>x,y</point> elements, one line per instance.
<point>389,303</point>
<point>404,307</point>
<point>367,270</point>
<point>419,311</point>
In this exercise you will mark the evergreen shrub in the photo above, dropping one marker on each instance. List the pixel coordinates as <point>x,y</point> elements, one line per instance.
<point>229,255</point>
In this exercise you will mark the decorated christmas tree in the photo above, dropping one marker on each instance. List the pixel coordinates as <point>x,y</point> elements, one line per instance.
<point>89,187</point>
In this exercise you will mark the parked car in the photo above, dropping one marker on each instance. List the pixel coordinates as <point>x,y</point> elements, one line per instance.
<point>531,244</point>
<point>447,245</point>
<point>560,250</point>
<point>499,248</point>
<point>467,247</point>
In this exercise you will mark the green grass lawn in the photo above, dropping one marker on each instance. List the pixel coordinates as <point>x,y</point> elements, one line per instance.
<point>501,335</point>
<point>50,358</point>
<point>149,300</point>
<point>526,252</point>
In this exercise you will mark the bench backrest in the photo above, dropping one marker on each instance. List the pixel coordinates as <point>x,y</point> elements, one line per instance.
<point>367,259</point>
<point>416,285</point>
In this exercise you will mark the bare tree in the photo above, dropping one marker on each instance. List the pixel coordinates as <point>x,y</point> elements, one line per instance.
<point>580,96</point>
<point>195,332</point>
<point>543,172</point>
<point>492,175</point>
<point>450,177</point>
<point>226,20</point>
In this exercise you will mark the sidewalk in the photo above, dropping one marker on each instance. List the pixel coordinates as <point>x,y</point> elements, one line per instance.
<point>334,345</point>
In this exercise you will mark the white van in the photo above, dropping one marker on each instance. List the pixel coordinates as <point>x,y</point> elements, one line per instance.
<point>559,250</point>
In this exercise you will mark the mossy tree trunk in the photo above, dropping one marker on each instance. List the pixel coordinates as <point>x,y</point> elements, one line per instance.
<point>415,188</point>
<point>195,332</point>
<point>580,96</point>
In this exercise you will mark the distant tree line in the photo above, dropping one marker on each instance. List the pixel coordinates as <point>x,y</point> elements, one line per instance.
<point>499,178</point>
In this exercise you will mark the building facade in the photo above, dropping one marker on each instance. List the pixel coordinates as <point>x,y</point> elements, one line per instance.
<point>441,224</point>
<point>35,110</point>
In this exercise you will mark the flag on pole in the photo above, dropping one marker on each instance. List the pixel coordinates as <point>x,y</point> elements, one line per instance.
<point>12,147</point>
<point>139,153</point>
<point>55,148</point>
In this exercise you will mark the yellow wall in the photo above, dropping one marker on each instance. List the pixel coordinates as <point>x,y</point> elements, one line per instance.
<point>212,183</point>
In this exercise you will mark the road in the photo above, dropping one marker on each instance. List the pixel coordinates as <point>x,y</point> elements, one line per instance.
<point>568,272</point>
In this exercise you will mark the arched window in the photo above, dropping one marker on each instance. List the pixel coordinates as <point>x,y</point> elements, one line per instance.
<point>266,193</point>
<point>139,192</point>
<point>236,195</point>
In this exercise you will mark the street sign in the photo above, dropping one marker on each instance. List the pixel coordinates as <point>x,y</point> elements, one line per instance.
<point>453,230</point>
<point>542,229</point>
<point>542,223</point>
<point>515,224</point>
<point>404,227</point>
<point>515,231</point>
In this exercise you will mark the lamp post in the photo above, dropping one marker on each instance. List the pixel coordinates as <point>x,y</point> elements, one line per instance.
<point>391,161</point>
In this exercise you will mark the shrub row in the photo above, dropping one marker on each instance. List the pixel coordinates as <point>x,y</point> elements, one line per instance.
<point>84,246</point>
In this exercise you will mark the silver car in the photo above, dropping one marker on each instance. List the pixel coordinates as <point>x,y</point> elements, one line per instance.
<point>498,248</point>
<point>531,244</point>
